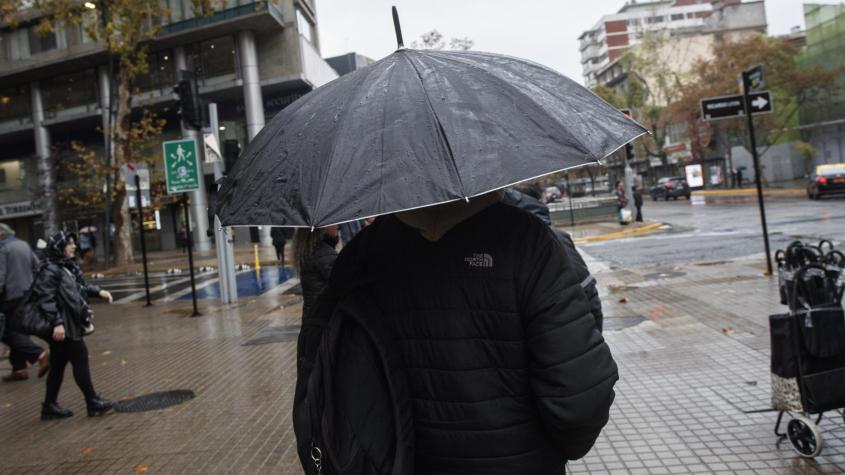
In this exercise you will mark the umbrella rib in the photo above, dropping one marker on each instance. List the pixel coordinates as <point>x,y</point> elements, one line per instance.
<point>439,124</point>
<point>346,113</point>
<point>511,87</point>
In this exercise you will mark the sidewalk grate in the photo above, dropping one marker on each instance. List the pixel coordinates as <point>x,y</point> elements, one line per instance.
<point>274,334</point>
<point>154,401</point>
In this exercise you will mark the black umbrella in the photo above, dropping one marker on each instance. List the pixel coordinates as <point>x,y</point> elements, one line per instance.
<point>415,129</point>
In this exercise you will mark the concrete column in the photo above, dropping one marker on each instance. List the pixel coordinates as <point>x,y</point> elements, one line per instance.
<point>44,162</point>
<point>199,199</point>
<point>253,102</point>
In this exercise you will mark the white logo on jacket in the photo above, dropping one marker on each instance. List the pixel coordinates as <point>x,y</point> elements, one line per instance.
<point>479,260</point>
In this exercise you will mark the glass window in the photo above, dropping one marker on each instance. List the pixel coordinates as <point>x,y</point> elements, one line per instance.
<point>17,44</point>
<point>655,19</point>
<point>213,58</point>
<point>303,25</point>
<point>634,22</point>
<point>71,90</point>
<point>15,103</point>
<point>159,73</point>
<point>40,43</point>
<point>677,16</point>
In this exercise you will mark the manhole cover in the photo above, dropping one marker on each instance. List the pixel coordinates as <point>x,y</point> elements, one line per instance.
<point>667,274</point>
<point>620,323</point>
<point>154,401</point>
<point>274,334</point>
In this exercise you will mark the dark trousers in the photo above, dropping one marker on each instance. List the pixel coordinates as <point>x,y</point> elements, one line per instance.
<point>21,348</point>
<point>280,252</point>
<point>76,353</point>
<point>639,213</point>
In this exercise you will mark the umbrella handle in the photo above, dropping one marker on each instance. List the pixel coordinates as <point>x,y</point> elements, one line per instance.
<point>398,29</point>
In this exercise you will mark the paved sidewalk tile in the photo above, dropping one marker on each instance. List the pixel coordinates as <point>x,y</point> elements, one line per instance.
<point>693,395</point>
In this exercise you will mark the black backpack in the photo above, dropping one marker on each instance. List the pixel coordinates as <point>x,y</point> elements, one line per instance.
<point>352,412</point>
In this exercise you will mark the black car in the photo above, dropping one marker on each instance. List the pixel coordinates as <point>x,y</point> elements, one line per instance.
<point>827,180</point>
<point>670,187</point>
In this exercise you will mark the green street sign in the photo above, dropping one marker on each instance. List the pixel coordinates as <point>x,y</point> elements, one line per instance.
<point>181,165</point>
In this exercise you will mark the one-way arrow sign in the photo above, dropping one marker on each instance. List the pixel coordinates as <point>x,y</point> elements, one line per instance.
<point>727,107</point>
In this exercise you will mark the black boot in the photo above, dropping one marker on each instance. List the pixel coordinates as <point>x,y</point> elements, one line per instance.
<point>54,411</point>
<point>98,406</point>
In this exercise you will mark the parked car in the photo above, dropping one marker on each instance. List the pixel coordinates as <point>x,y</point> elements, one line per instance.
<point>827,180</point>
<point>670,187</point>
<point>551,194</point>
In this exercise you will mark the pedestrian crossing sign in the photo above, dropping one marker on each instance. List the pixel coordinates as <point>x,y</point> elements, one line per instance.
<point>181,165</point>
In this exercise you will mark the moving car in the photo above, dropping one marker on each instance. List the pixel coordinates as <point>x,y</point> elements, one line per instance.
<point>670,187</point>
<point>827,180</point>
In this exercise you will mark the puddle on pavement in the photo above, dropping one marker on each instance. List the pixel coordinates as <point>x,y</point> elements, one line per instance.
<point>274,334</point>
<point>154,401</point>
<point>250,283</point>
<point>612,324</point>
<point>666,274</point>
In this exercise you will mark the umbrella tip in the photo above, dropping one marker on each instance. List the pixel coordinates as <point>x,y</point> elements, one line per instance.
<point>312,229</point>
<point>466,198</point>
<point>397,28</point>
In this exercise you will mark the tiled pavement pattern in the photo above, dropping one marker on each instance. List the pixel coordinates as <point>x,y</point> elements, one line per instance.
<point>688,400</point>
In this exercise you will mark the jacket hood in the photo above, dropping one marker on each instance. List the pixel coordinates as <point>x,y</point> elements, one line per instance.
<point>435,221</point>
<point>55,249</point>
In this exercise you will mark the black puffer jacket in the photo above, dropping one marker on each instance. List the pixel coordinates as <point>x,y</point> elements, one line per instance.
<point>60,292</point>
<point>314,273</point>
<point>588,282</point>
<point>508,372</point>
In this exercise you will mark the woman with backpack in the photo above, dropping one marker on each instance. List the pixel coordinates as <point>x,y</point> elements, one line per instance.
<point>314,256</point>
<point>59,294</point>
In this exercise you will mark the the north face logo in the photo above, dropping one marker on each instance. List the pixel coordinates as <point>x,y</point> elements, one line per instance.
<point>479,260</point>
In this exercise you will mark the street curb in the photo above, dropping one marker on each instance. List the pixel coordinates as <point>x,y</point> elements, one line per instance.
<point>746,192</point>
<point>619,234</point>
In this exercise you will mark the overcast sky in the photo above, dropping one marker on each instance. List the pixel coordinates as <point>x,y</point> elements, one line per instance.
<point>544,31</point>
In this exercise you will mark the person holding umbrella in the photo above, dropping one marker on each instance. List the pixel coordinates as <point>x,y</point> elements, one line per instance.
<point>487,324</point>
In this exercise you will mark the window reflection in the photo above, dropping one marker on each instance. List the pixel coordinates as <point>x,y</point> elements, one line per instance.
<point>159,72</point>
<point>213,58</point>
<point>70,91</point>
<point>15,103</point>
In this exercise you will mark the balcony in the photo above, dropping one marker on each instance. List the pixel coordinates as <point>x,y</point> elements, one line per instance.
<point>221,16</point>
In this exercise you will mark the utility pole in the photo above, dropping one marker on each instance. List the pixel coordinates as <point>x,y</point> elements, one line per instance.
<point>746,94</point>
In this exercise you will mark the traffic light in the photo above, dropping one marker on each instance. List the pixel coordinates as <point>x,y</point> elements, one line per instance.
<point>231,151</point>
<point>190,103</point>
<point>629,151</point>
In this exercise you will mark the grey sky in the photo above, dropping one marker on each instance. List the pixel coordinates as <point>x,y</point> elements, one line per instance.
<point>544,31</point>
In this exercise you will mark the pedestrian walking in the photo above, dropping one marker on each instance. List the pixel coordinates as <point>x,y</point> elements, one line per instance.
<point>314,257</point>
<point>84,245</point>
<point>739,177</point>
<point>280,236</point>
<point>622,203</point>
<point>60,293</point>
<point>638,203</point>
<point>183,238</point>
<point>506,368</point>
<point>17,266</point>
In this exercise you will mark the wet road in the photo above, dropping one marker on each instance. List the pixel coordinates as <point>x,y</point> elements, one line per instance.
<point>168,287</point>
<point>718,231</point>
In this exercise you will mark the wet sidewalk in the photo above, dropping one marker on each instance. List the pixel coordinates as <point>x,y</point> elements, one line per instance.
<point>691,342</point>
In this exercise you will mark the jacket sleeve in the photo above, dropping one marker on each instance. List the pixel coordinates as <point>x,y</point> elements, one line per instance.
<point>571,370</point>
<point>588,282</point>
<point>46,288</point>
<point>3,269</point>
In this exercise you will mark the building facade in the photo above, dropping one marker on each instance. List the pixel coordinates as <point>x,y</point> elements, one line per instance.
<point>251,58</point>
<point>824,127</point>
<point>613,34</point>
<point>692,29</point>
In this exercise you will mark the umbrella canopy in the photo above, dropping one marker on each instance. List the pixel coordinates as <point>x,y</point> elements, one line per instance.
<point>417,128</point>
